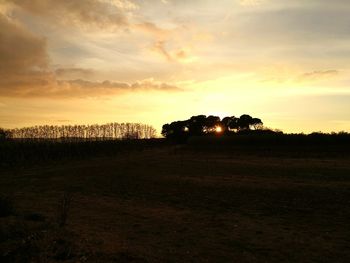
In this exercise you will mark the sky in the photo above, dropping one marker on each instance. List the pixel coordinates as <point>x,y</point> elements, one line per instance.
<point>156,61</point>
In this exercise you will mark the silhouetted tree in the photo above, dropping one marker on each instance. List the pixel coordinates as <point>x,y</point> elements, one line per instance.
<point>225,122</point>
<point>177,130</point>
<point>200,125</point>
<point>244,122</point>
<point>211,123</point>
<point>196,125</point>
<point>166,131</point>
<point>233,123</point>
<point>4,134</point>
<point>105,131</point>
<point>256,123</point>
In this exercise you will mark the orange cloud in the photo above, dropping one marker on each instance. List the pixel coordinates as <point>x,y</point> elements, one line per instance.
<point>159,47</point>
<point>23,58</point>
<point>88,13</point>
<point>293,75</point>
<point>20,50</point>
<point>25,72</point>
<point>175,55</point>
<point>152,29</point>
<point>73,73</point>
<point>53,88</point>
<point>318,75</point>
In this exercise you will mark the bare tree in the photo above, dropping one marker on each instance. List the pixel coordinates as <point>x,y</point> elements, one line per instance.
<point>95,131</point>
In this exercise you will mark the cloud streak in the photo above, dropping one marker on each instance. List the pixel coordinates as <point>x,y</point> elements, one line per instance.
<point>318,75</point>
<point>73,73</point>
<point>112,14</point>
<point>52,88</point>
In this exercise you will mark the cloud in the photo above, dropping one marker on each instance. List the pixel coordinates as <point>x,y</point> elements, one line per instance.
<point>317,75</point>
<point>181,55</point>
<point>83,88</point>
<point>152,29</point>
<point>151,84</point>
<point>159,47</point>
<point>110,87</point>
<point>103,14</point>
<point>73,73</point>
<point>251,2</point>
<point>25,71</point>
<point>122,4</point>
<point>288,75</point>
<point>23,57</point>
<point>5,8</point>
<point>305,24</point>
<point>162,38</point>
<point>20,50</point>
<point>106,15</point>
<point>175,44</point>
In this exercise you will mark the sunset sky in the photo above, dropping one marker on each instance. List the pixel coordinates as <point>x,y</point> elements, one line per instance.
<point>156,61</point>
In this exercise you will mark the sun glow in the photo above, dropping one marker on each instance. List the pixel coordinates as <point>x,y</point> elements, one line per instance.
<point>218,129</point>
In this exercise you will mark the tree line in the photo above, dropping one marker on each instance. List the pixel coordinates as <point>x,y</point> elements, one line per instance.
<point>201,125</point>
<point>95,131</point>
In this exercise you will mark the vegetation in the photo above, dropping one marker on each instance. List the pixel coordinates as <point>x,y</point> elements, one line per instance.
<point>4,134</point>
<point>105,131</point>
<point>203,125</point>
<point>55,143</point>
<point>47,143</point>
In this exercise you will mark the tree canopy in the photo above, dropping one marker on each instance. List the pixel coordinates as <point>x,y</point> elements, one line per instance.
<point>3,134</point>
<point>202,125</point>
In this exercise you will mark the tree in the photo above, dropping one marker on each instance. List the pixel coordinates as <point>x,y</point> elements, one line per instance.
<point>105,131</point>
<point>244,122</point>
<point>177,130</point>
<point>233,123</point>
<point>201,125</point>
<point>166,131</point>
<point>256,123</point>
<point>211,123</point>
<point>196,125</point>
<point>4,134</point>
<point>226,122</point>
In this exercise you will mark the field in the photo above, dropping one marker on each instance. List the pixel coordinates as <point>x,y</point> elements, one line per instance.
<point>179,203</point>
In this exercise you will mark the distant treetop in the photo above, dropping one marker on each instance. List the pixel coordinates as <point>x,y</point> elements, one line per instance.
<point>202,125</point>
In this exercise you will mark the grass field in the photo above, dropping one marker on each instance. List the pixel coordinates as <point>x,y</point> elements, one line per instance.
<point>179,204</point>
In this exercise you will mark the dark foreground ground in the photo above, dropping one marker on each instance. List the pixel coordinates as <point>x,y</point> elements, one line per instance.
<point>176,204</point>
